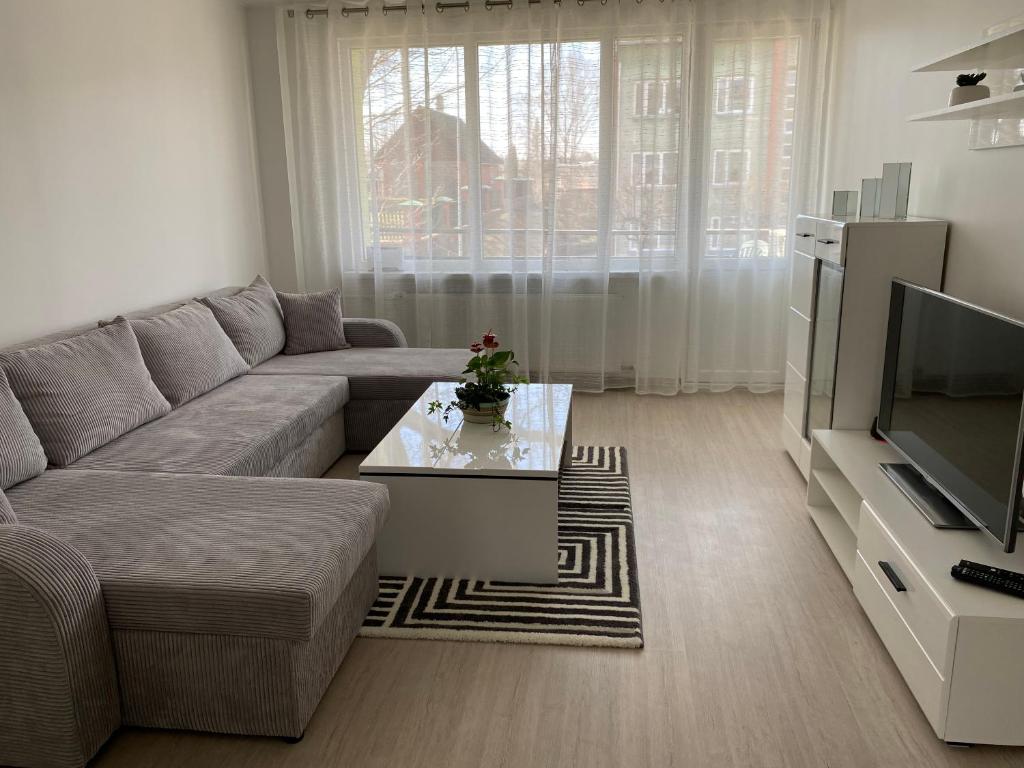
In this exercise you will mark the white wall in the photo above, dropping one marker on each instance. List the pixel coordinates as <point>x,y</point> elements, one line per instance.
<point>980,192</point>
<point>127,164</point>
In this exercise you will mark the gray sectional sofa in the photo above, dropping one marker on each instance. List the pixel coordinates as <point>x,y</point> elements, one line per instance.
<point>189,573</point>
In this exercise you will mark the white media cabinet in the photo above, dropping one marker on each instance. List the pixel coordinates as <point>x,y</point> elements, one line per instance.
<point>843,268</point>
<point>959,647</point>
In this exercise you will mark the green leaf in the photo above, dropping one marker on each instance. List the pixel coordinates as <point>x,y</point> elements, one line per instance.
<point>499,359</point>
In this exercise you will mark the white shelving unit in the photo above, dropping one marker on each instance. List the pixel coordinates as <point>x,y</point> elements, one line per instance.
<point>835,343</point>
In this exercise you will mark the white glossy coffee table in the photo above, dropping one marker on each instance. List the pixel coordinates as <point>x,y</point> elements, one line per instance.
<point>469,502</point>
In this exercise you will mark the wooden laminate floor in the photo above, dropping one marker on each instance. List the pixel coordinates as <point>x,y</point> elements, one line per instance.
<point>757,652</point>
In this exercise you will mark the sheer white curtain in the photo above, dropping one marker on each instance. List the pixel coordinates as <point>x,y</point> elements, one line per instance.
<point>608,187</point>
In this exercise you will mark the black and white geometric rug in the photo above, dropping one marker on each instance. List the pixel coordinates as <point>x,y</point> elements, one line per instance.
<point>596,601</point>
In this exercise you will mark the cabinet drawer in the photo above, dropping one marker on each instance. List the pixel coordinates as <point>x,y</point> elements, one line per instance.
<point>793,398</point>
<point>928,619</point>
<point>828,244</point>
<point>804,235</point>
<point>801,285</point>
<point>921,677</point>
<point>797,337</point>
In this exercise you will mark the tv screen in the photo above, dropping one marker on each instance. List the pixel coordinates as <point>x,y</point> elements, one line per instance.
<point>952,393</point>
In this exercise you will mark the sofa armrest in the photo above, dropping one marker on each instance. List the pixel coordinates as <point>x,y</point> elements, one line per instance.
<point>60,700</point>
<point>371,332</point>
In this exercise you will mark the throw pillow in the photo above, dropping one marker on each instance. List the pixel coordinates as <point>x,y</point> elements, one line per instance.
<point>313,322</point>
<point>7,516</point>
<point>21,455</point>
<point>187,352</point>
<point>251,319</point>
<point>81,393</point>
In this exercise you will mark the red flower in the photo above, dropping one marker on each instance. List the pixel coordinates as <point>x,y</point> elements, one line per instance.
<point>490,341</point>
<point>476,347</point>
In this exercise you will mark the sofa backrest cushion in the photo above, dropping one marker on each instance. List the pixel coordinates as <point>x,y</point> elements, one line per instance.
<point>252,320</point>
<point>7,516</point>
<point>313,322</point>
<point>187,352</point>
<point>83,392</point>
<point>21,454</point>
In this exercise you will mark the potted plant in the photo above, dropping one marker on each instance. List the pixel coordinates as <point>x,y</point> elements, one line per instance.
<point>968,89</point>
<point>484,399</point>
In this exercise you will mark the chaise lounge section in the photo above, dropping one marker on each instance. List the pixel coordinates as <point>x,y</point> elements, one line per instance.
<point>194,572</point>
<point>383,382</point>
<point>230,601</point>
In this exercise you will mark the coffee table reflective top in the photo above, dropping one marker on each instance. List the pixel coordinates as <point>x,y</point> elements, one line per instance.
<point>425,444</point>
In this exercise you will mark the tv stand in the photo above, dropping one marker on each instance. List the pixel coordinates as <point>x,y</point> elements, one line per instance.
<point>928,500</point>
<point>958,646</point>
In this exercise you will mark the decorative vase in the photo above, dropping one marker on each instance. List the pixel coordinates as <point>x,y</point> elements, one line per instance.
<point>963,94</point>
<point>485,413</point>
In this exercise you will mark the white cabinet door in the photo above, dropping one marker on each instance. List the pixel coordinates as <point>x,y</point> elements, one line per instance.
<point>793,400</point>
<point>797,336</point>
<point>801,285</point>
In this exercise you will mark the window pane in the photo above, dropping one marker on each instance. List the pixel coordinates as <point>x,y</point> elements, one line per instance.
<point>750,140</point>
<point>669,167</point>
<point>412,102</point>
<point>539,117</point>
<point>645,194</point>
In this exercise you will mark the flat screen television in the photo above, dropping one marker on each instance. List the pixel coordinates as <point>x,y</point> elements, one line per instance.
<point>951,405</point>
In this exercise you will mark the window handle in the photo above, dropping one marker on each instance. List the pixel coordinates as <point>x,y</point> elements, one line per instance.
<point>893,577</point>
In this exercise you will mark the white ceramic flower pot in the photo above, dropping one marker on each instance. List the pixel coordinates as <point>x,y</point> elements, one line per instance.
<point>963,94</point>
<point>485,414</point>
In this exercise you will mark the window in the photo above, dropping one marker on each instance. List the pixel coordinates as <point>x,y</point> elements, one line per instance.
<point>656,97</point>
<point>650,168</point>
<point>730,166</point>
<point>714,233</point>
<point>734,95</point>
<point>471,177</point>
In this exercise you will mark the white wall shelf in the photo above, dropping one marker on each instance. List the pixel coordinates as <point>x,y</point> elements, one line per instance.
<point>1001,51</point>
<point>1009,105</point>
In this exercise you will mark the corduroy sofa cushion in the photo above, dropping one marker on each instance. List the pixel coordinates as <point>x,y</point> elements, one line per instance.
<point>396,373</point>
<point>252,320</point>
<point>187,352</point>
<point>83,392</point>
<point>263,557</point>
<point>7,516</point>
<point>244,427</point>
<point>313,322</point>
<point>21,454</point>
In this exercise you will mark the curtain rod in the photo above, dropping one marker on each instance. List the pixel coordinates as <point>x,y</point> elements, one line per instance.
<point>440,7</point>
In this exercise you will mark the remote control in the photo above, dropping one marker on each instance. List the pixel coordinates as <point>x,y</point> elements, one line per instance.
<point>1010,582</point>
